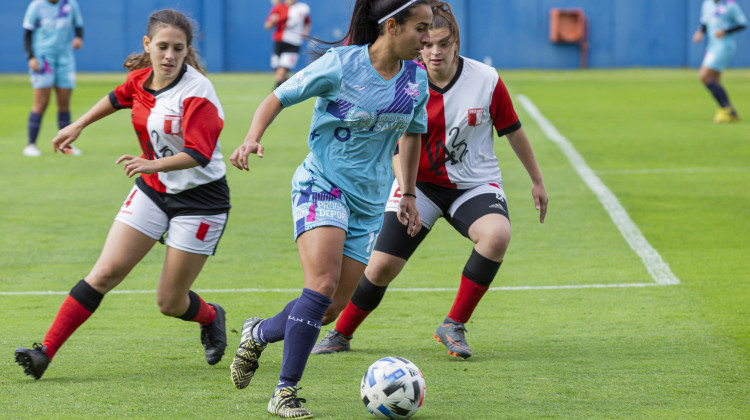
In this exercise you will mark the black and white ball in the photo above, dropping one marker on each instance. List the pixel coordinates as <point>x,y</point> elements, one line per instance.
<point>393,388</point>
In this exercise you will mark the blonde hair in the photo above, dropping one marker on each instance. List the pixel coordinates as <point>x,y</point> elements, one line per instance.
<point>158,20</point>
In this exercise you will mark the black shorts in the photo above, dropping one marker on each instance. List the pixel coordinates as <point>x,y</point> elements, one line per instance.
<point>281,47</point>
<point>461,208</point>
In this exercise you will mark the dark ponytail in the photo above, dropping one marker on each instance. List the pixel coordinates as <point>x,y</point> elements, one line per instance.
<point>364,27</point>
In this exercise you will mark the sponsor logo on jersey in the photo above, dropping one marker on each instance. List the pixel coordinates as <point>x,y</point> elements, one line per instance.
<point>475,116</point>
<point>360,119</point>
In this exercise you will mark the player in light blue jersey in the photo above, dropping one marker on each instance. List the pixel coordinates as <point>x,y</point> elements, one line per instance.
<point>720,20</point>
<point>369,95</point>
<point>49,26</point>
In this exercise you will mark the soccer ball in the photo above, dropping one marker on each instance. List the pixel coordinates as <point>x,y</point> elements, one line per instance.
<point>393,388</point>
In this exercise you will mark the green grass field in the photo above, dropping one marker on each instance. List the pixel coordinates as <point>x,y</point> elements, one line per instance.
<point>575,328</point>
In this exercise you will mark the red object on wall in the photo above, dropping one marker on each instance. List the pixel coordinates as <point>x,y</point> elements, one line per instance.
<point>570,26</point>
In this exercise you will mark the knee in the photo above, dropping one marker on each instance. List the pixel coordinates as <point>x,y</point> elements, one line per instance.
<point>381,272</point>
<point>106,276</point>
<point>707,78</point>
<point>169,307</point>
<point>494,243</point>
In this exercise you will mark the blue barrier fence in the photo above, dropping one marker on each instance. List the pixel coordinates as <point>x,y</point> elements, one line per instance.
<point>505,33</point>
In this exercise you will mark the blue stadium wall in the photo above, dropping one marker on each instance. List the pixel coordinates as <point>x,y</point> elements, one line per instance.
<point>506,33</point>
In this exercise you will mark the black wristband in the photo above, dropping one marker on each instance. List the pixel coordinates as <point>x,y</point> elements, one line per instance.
<point>409,195</point>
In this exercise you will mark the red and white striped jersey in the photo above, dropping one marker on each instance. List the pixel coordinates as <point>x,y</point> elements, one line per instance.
<point>185,116</point>
<point>458,149</point>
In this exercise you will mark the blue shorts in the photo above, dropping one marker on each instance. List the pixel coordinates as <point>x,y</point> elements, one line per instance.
<point>54,70</point>
<point>717,57</point>
<point>316,202</point>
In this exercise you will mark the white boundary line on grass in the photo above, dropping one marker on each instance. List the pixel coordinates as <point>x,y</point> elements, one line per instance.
<point>390,289</point>
<point>655,265</point>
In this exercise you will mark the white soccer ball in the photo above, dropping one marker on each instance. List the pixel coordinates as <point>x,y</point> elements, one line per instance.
<point>393,388</point>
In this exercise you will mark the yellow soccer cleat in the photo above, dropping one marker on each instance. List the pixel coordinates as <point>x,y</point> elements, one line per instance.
<point>725,115</point>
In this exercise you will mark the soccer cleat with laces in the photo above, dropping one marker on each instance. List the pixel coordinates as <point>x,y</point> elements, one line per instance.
<point>285,404</point>
<point>246,360</point>
<point>34,360</point>
<point>451,334</point>
<point>214,336</point>
<point>333,342</point>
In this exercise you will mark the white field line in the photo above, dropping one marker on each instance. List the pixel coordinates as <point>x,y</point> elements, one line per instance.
<point>390,289</point>
<point>655,265</point>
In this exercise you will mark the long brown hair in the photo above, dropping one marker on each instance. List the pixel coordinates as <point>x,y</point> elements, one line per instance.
<point>158,20</point>
<point>443,17</point>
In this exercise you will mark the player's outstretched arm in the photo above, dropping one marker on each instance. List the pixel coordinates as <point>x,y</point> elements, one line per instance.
<point>69,134</point>
<point>519,141</point>
<point>264,115</point>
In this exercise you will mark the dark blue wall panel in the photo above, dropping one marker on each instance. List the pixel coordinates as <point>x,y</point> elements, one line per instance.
<point>505,33</point>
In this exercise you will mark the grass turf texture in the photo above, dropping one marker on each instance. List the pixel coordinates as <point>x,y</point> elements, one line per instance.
<point>651,352</point>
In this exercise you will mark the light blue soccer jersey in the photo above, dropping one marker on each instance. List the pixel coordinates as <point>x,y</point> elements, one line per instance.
<point>723,15</point>
<point>357,121</point>
<point>52,25</point>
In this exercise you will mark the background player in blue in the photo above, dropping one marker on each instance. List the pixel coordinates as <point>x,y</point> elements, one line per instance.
<point>370,93</point>
<point>49,43</point>
<point>720,19</point>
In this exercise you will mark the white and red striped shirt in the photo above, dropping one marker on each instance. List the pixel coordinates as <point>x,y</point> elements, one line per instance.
<point>185,116</point>
<point>458,148</point>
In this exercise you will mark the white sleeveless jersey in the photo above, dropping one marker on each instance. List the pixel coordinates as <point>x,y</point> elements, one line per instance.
<point>185,116</point>
<point>458,148</point>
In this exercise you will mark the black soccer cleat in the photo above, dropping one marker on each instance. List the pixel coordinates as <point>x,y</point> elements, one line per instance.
<point>214,336</point>
<point>34,360</point>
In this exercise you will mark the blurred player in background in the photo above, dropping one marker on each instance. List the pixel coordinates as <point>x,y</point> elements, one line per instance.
<point>182,189</point>
<point>276,21</point>
<point>369,94</point>
<point>459,180</point>
<point>49,26</point>
<point>720,19</point>
<point>292,22</point>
